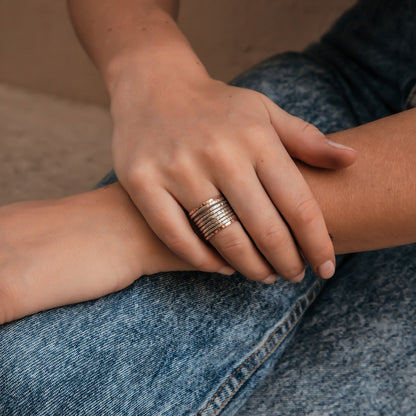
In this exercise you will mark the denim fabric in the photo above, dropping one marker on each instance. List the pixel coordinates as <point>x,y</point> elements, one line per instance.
<point>372,52</point>
<point>194,343</point>
<point>411,99</point>
<point>170,344</point>
<point>355,350</point>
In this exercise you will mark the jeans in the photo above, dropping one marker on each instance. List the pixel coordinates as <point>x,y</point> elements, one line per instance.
<point>195,343</point>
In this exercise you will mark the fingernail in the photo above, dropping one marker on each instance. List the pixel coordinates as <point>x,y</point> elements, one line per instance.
<point>339,145</point>
<point>326,270</point>
<point>270,279</point>
<point>226,270</point>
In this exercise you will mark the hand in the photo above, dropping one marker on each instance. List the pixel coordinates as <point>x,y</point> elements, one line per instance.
<point>180,144</point>
<point>59,252</point>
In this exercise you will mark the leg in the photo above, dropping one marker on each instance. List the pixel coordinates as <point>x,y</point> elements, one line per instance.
<point>354,352</point>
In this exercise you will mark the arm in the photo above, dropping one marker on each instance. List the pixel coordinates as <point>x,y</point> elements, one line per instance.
<point>140,36</point>
<point>174,131</point>
<point>367,206</point>
<point>371,204</point>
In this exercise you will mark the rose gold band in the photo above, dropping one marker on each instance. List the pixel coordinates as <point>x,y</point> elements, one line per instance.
<point>212,216</point>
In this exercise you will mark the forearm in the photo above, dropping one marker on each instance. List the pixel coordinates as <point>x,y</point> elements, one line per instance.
<point>139,35</point>
<point>371,204</point>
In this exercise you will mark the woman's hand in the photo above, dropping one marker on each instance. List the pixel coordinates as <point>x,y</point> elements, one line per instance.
<point>181,137</point>
<point>182,143</point>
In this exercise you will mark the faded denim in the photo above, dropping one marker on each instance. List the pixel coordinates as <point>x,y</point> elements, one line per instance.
<point>194,343</point>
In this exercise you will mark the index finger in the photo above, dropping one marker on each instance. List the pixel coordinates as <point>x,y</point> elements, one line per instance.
<point>291,195</point>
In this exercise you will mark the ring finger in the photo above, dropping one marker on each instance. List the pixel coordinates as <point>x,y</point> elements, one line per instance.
<point>232,242</point>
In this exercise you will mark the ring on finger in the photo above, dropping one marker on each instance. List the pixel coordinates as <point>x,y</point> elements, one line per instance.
<point>212,216</point>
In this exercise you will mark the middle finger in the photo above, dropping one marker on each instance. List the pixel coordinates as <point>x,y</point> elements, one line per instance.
<point>261,220</point>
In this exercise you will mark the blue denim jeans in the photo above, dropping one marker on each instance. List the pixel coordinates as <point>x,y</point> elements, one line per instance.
<point>195,343</point>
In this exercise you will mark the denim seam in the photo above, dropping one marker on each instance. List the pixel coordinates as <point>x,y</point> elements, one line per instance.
<point>296,313</point>
<point>411,99</point>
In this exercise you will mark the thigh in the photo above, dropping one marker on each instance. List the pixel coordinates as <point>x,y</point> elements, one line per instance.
<point>177,343</point>
<point>355,350</point>
<point>371,51</point>
<point>305,88</point>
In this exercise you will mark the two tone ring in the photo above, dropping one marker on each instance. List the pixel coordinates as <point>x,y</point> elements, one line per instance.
<point>212,216</point>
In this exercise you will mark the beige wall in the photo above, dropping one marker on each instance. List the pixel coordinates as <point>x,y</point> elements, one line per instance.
<point>38,48</point>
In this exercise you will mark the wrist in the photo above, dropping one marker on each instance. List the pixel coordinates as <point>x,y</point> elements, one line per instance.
<point>155,88</point>
<point>138,247</point>
<point>162,53</point>
<point>148,73</point>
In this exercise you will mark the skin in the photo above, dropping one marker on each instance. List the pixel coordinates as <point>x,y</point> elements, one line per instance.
<point>81,247</point>
<point>181,137</point>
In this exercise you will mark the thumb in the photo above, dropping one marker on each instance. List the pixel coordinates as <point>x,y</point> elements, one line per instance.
<point>305,142</point>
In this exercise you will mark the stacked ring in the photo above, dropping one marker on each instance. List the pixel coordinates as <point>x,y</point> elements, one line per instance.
<point>212,216</point>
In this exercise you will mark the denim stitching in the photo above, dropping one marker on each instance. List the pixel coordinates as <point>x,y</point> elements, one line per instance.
<point>297,310</point>
<point>411,99</point>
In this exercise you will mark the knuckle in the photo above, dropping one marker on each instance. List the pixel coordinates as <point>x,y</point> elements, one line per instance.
<point>223,154</point>
<point>179,165</point>
<point>214,151</point>
<point>310,129</point>
<point>306,127</point>
<point>137,178</point>
<point>274,238</point>
<point>231,245</point>
<point>255,129</point>
<point>131,176</point>
<point>307,212</point>
<point>176,242</point>
<point>231,168</point>
<point>232,174</point>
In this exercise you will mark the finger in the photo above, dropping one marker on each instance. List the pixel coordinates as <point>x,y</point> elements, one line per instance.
<point>232,242</point>
<point>290,193</point>
<point>305,142</point>
<point>235,246</point>
<point>262,221</point>
<point>169,222</point>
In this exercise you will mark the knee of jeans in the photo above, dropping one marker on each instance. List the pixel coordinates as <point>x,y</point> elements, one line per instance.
<point>303,88</point>
<point>264,76</point>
